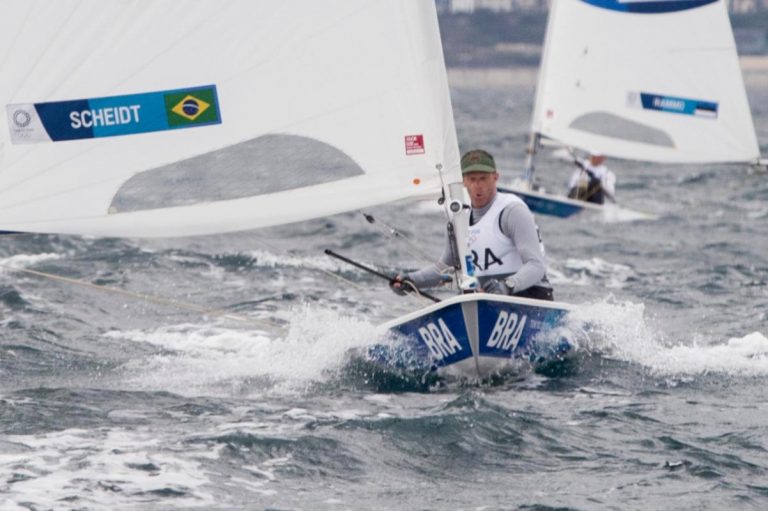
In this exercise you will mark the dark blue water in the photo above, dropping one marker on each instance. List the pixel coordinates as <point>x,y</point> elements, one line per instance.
<point>111,401</point>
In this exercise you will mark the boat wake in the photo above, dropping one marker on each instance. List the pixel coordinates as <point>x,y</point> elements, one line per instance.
<point>619,331</point>
<point>323,348</point>
<point>193,359</point>
<point>614,213</point>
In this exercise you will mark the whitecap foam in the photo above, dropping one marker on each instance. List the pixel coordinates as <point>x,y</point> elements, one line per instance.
<point>739,356</point>
<point>71,467</point>
<point>613,213</point>
<point>21,261</point>
<point>265,259</point>
<point>620,331</point>
<point>589,272</point>
<point>758,214</point>
<point>196,358</point>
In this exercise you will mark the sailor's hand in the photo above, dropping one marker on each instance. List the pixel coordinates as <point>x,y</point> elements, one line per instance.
<point>400,285</point>
<point>496,287</point>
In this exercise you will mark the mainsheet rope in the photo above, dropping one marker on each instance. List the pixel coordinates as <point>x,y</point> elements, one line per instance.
<point>205,311</point>
<point>148,298</point>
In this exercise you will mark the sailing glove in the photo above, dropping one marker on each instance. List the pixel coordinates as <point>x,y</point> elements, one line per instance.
<point>497,287</point>
<point>401,286</point>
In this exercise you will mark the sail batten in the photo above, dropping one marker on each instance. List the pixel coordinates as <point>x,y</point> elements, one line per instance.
<point>170,119</point>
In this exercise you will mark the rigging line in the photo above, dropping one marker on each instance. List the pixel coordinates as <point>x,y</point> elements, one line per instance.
<point>395,233</point>
<point>457,274</point>
<point>415,250</point>
<point>389,278</point>
<point>327,272</point>
<point>148,298</point>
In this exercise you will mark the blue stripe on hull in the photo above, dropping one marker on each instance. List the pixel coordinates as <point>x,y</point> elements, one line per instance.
<point>546,206</point>
<point>521,331</point>
<point>442,339</point>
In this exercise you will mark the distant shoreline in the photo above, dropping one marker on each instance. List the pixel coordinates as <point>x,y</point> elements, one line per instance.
<point>753,67</point>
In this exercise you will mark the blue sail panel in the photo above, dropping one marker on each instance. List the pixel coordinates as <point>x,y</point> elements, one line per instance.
<point>652,7</point>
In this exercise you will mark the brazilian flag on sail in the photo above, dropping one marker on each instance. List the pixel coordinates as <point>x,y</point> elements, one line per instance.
<point>192,107</point>
<point>111,116</point>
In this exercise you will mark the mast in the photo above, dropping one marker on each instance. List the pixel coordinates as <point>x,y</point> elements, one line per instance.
<point>458,210</point>
<point>455,199</point>
<point>535,134</point>
<point>530,156</point>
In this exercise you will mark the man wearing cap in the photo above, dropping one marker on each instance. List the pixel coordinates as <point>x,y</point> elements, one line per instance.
<point>592,181</point>
<point>503,240</point>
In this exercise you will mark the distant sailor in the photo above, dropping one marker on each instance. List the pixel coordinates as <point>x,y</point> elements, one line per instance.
<point>592,181</point>
<point>504,240</point>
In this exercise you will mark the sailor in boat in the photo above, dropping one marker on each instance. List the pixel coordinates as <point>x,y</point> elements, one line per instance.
<point>592,181</point>
<point>504,240</point>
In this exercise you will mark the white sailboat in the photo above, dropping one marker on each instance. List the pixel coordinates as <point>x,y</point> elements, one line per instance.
<point>157,119</point>
<point>655,81</point>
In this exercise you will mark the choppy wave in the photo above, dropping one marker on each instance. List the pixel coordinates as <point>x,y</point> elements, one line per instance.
<point>104,468</point>
<point>19,261</point>
<point>597,271</point>
<point>621,331</point>
<point>203,358</point>
<point>110,401</point>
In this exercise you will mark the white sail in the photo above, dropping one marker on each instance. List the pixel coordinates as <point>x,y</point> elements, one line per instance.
<point>199,116</point>
<point>649,80</point>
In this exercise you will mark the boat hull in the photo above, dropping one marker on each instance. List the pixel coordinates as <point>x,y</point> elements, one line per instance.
<point>548,204</point>
<point>477,335</point>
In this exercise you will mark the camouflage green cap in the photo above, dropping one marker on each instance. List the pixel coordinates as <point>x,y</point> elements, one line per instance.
<point>477,160</point>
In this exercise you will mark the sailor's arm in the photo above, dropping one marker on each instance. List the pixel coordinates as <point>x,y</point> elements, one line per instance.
<point>434,274</point>
<point>577,172</point>
<point>518,224</point>
<point>608,182</point>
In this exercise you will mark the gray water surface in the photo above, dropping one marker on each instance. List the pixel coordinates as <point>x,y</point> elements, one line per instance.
<point>111,402</point>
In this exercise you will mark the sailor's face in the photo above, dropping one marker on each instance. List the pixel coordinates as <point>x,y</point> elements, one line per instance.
<point>481,187</point>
